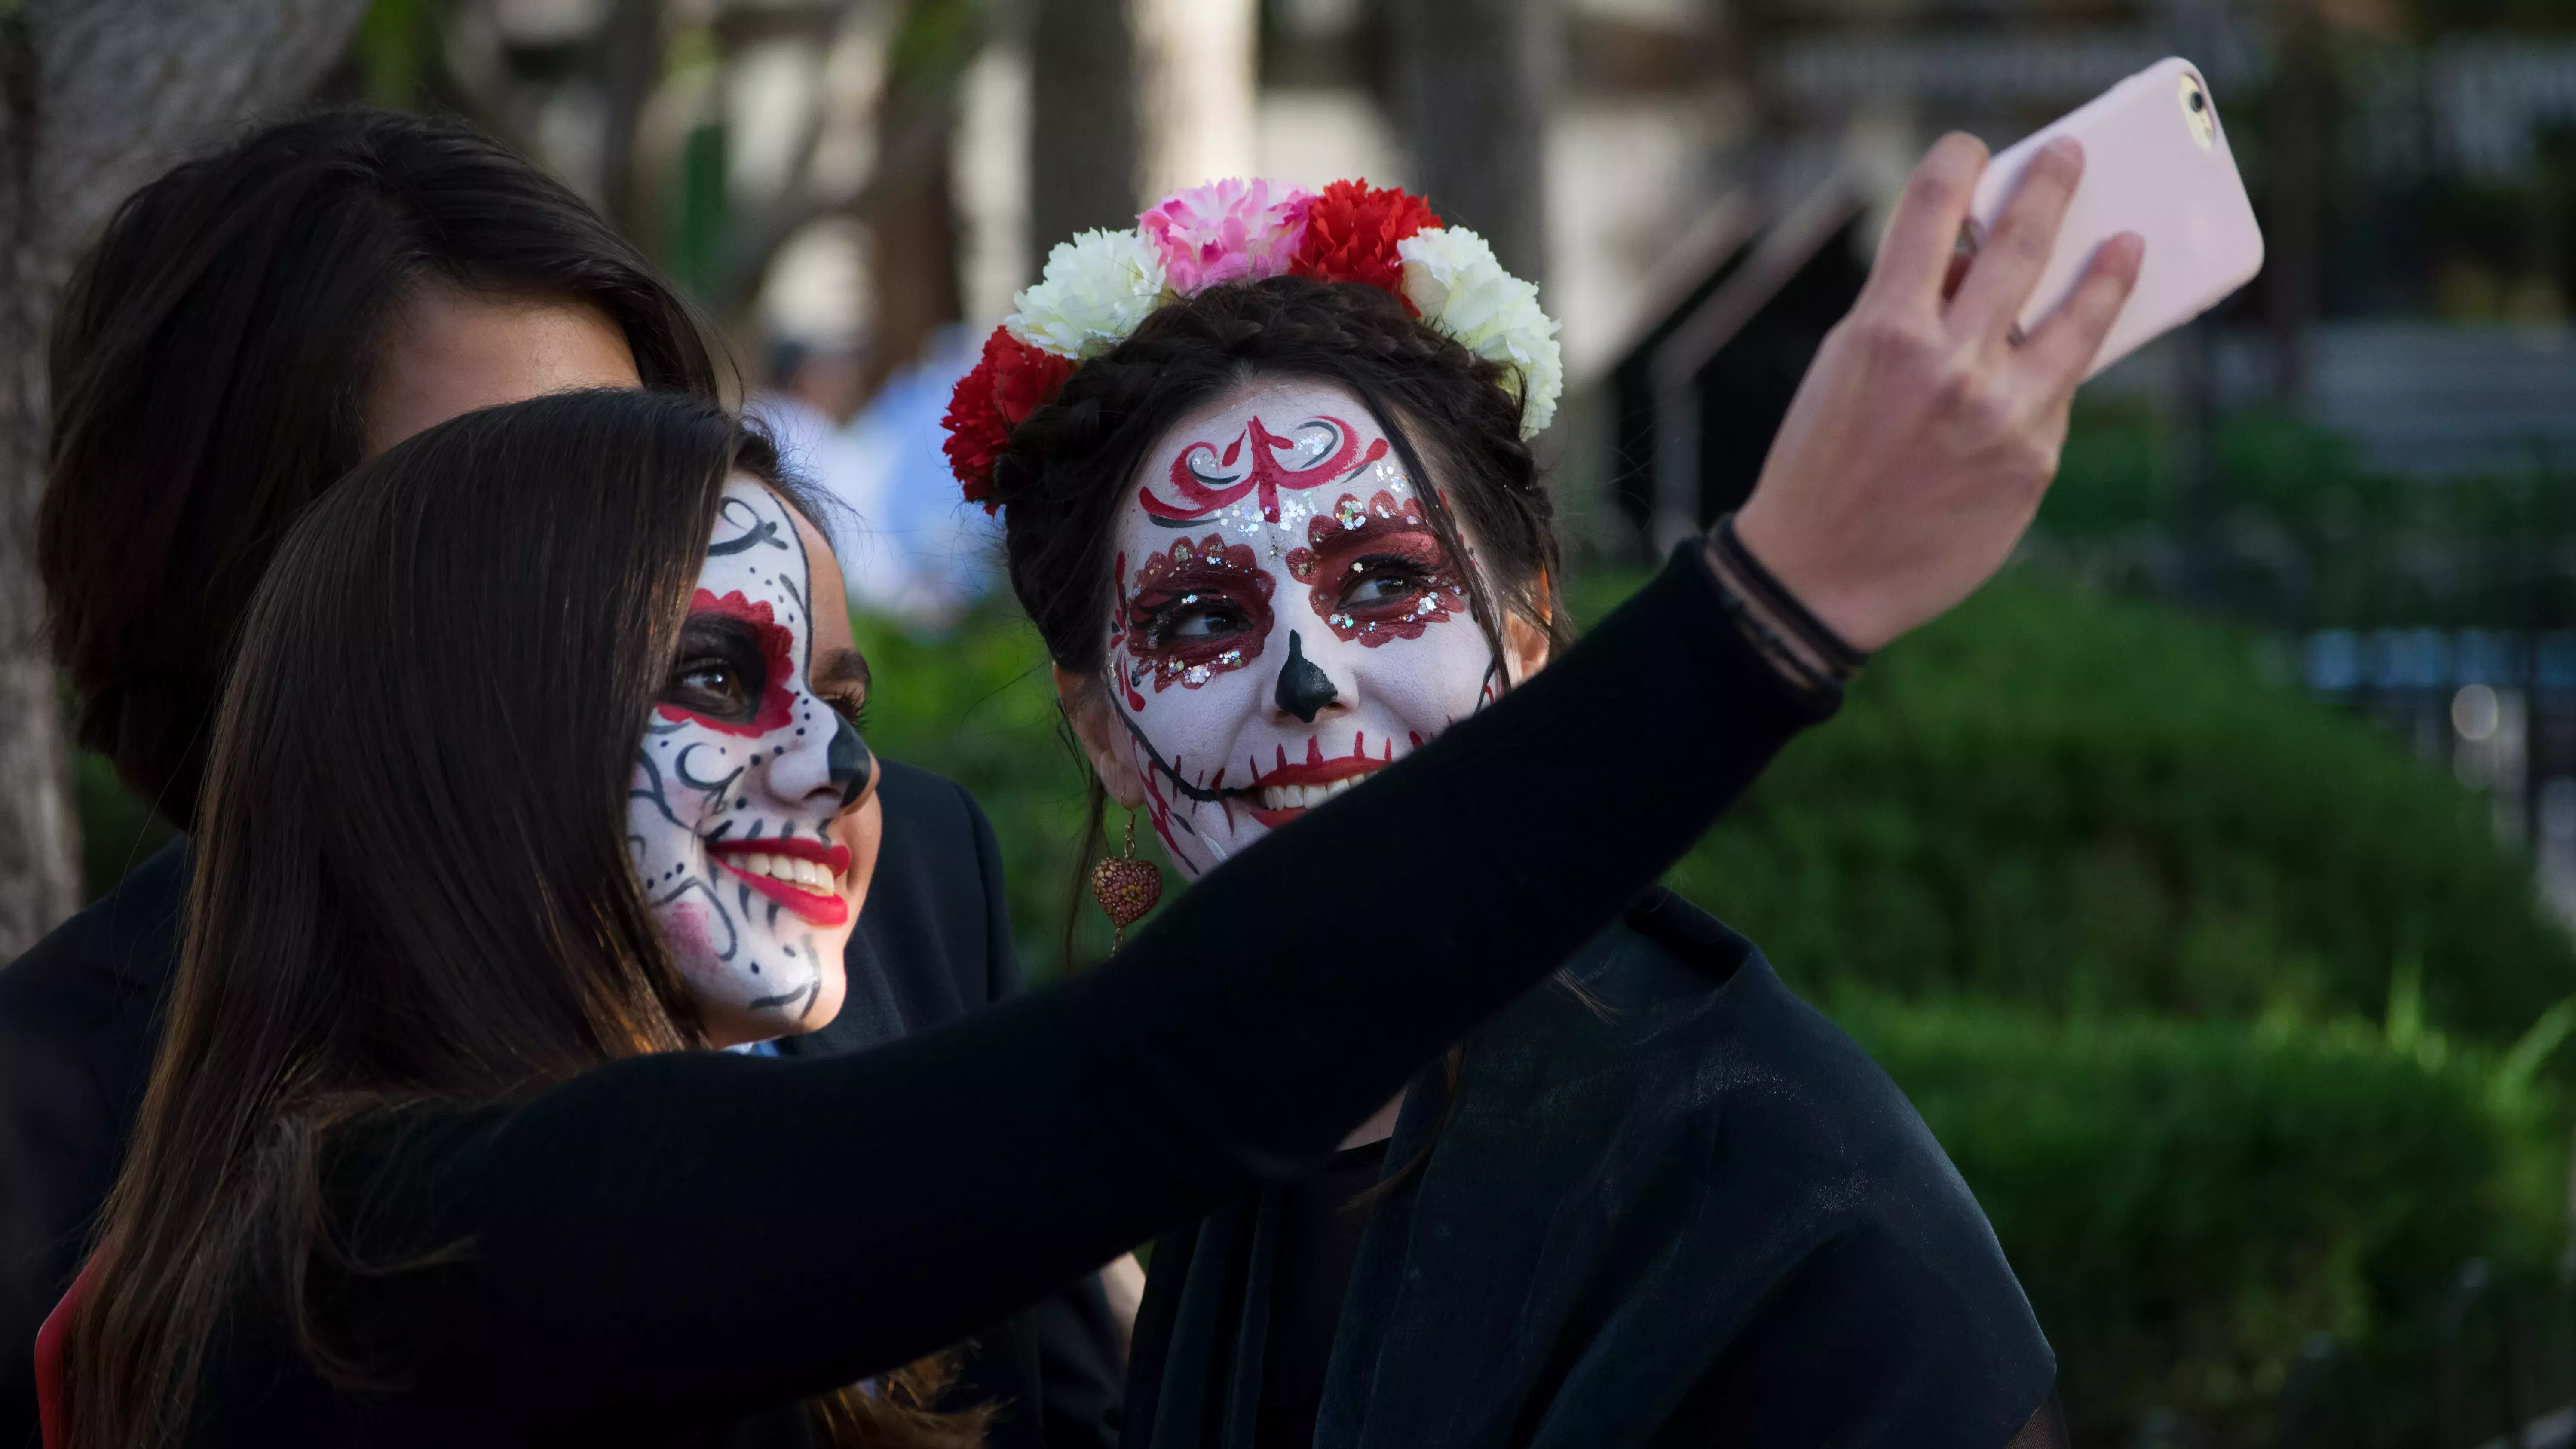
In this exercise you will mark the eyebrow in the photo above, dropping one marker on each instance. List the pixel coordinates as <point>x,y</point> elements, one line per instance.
<point>844,666</point>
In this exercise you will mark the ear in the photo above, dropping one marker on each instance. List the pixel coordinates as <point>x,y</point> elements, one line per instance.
<point>1525,643</point>
<point>1095,723</point>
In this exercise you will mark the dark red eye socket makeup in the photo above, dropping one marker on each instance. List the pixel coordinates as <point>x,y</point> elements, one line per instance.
<point>1196,611</point>
<point>1377,571</point>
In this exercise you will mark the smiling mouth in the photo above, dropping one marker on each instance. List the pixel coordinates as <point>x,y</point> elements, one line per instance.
<point>1286,793</point>
<point>808,877</point>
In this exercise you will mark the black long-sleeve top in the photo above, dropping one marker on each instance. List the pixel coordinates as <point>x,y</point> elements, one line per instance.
<point>671,1250</point>
<point>80,1018</point>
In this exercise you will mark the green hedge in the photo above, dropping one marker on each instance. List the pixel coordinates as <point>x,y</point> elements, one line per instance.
<point>2090,804</point>
<point>2185,1202</point>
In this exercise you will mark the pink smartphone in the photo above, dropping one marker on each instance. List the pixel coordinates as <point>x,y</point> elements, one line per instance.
<point>2155,162</point>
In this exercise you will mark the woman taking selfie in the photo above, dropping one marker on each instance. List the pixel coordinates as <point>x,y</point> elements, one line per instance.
<point>529,773</point>
<point>247,328</point>
<point>1279,534</point>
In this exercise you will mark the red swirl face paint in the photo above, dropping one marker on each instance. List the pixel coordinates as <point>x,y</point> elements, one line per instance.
<point>1314,452</point>
<point>1275,530</point>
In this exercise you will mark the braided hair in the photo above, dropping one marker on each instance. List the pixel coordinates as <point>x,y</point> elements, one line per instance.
<point>1072,463</point>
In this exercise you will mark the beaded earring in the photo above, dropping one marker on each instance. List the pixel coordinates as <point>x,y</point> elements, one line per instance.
<point>1126,887</point>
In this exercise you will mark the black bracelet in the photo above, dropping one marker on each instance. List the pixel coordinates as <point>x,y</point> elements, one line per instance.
<point>1841,660</point>
<point>1766,641</point>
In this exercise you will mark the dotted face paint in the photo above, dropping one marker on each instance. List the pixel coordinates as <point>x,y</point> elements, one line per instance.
<point>1285,620</point>
<point>741,773</point>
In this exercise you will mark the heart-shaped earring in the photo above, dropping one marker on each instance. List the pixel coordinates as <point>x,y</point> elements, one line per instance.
<point>1126,887</point>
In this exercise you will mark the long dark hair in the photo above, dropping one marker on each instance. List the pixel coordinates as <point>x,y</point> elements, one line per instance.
<point>1070,464</point>
<point>411,876</point>
<point>210,366</point>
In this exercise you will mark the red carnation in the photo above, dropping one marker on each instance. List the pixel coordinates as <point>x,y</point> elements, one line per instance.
<point>1351,232</point>
<point>1011,381</point>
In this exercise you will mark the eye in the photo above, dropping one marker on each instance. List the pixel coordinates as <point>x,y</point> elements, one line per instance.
<point>851,705</point>
<point>1194,617</point>
<point>1383,579</point>
<point>711,676</point>
<point>720,672</point>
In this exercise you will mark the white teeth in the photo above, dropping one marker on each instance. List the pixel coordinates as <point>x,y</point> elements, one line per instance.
<point>803,874</point>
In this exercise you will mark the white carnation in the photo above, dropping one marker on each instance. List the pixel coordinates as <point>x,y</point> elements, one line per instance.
<point>1097,287</point>
<point>1453,280</point>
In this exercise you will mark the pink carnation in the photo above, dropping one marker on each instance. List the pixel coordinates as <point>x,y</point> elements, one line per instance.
<point>1227,231</point>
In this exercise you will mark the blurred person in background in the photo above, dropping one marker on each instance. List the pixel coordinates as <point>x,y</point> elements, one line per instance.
<point>909,550</point>
<point>248,328</point>
<point>1278,521</point>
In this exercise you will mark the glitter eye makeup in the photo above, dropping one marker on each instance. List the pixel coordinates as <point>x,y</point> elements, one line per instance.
<point>1196,611</point>
<point>1376,571</point>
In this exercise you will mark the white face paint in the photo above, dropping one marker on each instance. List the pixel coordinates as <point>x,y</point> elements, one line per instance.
<point>1286,619</point>
<point>743,773</point>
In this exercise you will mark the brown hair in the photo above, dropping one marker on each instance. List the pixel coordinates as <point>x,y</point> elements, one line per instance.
<point>447,667</point>
<point>210,366</point>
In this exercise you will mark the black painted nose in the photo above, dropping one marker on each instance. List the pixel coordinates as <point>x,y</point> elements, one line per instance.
<point>1303,689</point>
<point>849,761</point>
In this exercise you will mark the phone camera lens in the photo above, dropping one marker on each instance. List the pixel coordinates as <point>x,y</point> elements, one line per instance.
<point>2199,103</point>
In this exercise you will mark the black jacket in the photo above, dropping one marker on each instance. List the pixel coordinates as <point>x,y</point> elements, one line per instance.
<point>1679,1209</point>
<point>79,1019</point>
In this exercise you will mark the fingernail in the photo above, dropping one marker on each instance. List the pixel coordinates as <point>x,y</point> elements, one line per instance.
<point>2066,148</point>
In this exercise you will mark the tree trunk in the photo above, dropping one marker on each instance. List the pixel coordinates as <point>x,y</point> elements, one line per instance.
<point>1083,166</point>
<point>1473,80</point>
<point>96,97</point>
<point>1198,65</point>
<point>910,210</point>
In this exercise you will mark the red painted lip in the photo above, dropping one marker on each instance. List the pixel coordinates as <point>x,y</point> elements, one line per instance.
<point>815,907</point>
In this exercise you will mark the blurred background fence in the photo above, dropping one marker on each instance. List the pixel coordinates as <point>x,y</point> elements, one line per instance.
<point>2207,882</point>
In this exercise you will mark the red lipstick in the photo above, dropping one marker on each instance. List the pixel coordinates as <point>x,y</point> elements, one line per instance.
<point>820,908</point>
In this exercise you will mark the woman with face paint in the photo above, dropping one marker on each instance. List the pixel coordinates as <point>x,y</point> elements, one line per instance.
<point>1280,535</point>
<point>247,328</point>
<point>530,777</point>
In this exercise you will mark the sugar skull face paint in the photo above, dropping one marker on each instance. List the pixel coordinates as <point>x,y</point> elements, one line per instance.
<point>1285,618</point>
<point>750,774</point>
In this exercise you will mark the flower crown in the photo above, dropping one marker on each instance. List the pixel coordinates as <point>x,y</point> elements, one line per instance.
<point>1101,284</point>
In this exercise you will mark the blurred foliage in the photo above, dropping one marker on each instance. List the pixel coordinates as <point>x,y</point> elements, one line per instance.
<point>2090,805</point>
<point>118,829</point>
<point>977,704</point>
<point>2185,1202</point>
<point>2304,535</point>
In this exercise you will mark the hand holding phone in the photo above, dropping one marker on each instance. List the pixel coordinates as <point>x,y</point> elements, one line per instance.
<point>2156,163</point>
<point>1927,429</point>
